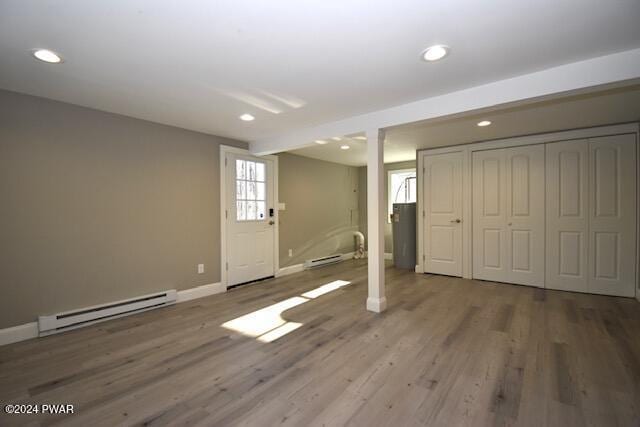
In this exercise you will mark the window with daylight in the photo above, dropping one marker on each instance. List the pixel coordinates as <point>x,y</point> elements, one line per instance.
<point>401,187</point>
<point>250,191</point>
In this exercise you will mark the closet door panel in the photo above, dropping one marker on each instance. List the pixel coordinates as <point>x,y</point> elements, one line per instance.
<point>489,216</point>
<point>566,215</point>
<point>525,214</point>
<point>612,215</point>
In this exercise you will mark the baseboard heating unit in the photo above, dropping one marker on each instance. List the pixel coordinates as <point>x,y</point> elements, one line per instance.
<point>318,262</point>
<point>68,320</point>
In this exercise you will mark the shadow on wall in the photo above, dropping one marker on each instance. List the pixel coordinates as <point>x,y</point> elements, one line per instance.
<point>334,240</point>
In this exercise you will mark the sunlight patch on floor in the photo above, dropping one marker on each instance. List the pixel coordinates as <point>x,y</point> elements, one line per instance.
<point>267,324</point>
<point>325,289</point>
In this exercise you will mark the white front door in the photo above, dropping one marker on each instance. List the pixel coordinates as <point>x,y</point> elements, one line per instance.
<point>508,215</point>
<point>443,214</point>
<point>250,218</point>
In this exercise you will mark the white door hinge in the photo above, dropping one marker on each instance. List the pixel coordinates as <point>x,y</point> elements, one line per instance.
<point>226,214</point>
<point>225,161</point>
<point>226,267</point>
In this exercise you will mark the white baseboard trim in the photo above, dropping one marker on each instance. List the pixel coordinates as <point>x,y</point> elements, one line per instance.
<point>18,333</point>
<point>285,271</point>
<point>387,255</point>
<point>348,255</point>
<point>297,268</point>
<point>419,269</point>
<point>30,330</point>
<point>201,291</point>
<point>377,305</point>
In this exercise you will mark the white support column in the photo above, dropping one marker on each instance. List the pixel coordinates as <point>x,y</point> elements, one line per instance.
<point>376,213</point>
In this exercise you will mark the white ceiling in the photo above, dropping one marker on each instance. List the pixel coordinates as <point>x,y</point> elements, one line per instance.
<point>620,105</point>
<point>200,64</point>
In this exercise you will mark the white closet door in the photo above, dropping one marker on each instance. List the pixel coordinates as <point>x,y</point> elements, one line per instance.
<point>489,216</point>
<point>567,215</point>
<point>443,213</point>
<point>525,214</point>
<point>508,215</point>
<point>612,221</point>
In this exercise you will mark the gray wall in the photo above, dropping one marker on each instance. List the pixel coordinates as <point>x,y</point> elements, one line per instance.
<point>362,171</point>
<point>97,207</point>
<point>321,213</point>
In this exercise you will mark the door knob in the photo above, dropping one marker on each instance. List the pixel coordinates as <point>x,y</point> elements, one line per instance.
<point>272,222</point>
<point>509,224</point>
<point>457,221</point>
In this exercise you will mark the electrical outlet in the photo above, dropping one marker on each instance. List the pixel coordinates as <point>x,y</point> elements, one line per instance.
<point>200,268</point>
<point>290,253</point>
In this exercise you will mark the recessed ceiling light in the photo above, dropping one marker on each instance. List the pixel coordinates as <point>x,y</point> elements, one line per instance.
<point>336,138</point>
<point>344,147</point>
<point>484,123</point>
<point>320,141</point>
<point>435,52</point>
<point>247,117</point>
<point>361,138</point>
<point>46,55</point>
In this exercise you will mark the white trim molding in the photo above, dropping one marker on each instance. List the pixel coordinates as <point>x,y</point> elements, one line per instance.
<point>200,292</point>
<point>297,268</point>
<point>291,269</point>
<point>377,305</point>
<point>30,330</point>
<point>18,333</point>
<point>387,255</point>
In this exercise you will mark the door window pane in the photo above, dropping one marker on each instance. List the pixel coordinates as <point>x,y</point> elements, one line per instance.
<point>240,169</point>
<point>260,191</point>
<point>251,171</point>
<point>260,172</point>
<point>241,211</point>
<point>251,210</point>
<point>250,191</point>
<point>241,193</point>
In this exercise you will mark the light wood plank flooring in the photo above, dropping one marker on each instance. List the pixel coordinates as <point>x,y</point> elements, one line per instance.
<point>447,352</point>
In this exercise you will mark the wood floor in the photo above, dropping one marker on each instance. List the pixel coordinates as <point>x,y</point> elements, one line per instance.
<point>447,352</point>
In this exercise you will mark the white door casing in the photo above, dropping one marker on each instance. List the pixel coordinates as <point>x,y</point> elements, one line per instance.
<point>508,215</point>
<point>250,218</point>
<point>443,213</point>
